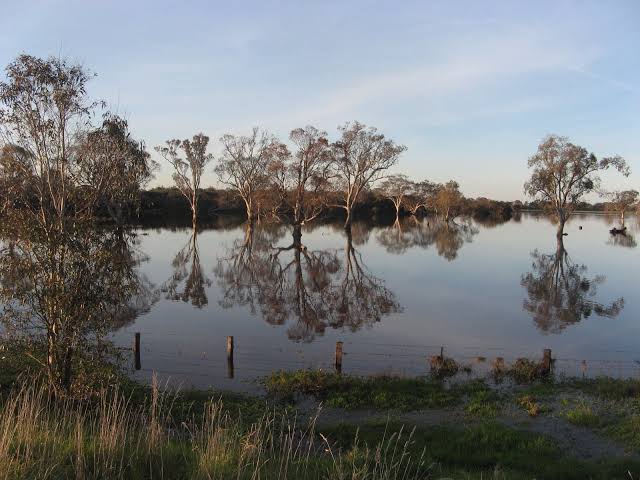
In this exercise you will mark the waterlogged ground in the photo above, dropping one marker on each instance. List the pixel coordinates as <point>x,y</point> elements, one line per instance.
<point>394,294</point>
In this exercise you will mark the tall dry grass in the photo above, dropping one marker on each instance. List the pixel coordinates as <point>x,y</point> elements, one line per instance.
<point>43,438</point>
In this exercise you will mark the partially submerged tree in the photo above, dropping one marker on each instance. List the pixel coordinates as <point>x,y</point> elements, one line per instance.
<point>448,200</point>
<point>244,165</point>
<point>563,173</point>
<point>188,171</point>
<point>362,156</point>
<point>302,179</point>
<point>396,188</point>
<point>621,202</point>
<point>420,196</point>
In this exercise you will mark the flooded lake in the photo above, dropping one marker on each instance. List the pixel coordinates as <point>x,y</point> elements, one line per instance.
<point>393,294</point>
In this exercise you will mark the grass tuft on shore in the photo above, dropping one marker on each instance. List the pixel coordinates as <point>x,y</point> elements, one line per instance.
<point>352,392</point>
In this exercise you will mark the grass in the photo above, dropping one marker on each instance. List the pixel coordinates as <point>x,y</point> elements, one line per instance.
<point>529,404</point>
<point>489,450</point>
<point>41,438</point>
<point>582,415</point>
<point>626,430</point>
<point>607,388</point>
<point>483,402</point>
<point>351,392</point>
<point>138,432</point>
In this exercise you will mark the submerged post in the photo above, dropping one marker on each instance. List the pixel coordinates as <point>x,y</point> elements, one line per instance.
<point>338,357</point>
<point>230,357</point>
<point>546,361</point>
<point>136,351</point>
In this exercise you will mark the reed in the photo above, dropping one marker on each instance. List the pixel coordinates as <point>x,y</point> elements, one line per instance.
<point>46,438</point>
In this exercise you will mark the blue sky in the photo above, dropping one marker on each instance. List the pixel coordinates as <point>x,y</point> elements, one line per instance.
<point>469,87</point>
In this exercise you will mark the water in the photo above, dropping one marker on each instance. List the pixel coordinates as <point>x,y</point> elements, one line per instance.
<point>394,295</point>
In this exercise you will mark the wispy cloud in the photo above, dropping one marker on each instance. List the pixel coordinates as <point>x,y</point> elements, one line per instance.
<point>460,70</point>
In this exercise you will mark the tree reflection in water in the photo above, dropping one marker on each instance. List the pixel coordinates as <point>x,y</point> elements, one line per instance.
<point>61,291</point>
<point>561,294</point>
<point>622,239</point>
<point>188,281</point>
<point>311,289</point>
<point>447,237</point>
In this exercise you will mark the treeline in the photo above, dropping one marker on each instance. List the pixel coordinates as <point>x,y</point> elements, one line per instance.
<point>168,203</point>
<point>55,162</point>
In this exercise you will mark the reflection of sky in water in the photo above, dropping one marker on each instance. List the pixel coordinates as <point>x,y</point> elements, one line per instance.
<point>472,305</point>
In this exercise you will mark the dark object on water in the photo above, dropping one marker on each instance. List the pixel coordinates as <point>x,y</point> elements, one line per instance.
<point>565,234</point>
<point>618,231</point>
<point>580,227</point>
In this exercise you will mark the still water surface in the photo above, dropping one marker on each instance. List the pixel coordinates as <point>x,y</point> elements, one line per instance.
<point>393,294</point>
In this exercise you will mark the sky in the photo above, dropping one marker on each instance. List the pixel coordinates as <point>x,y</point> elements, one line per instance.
<point>470,88</point>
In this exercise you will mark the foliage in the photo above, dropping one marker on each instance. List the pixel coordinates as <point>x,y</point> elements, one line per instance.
<point>362,156</point>
<point>246,164</point>
<point>564,172</point>
<point>188,171</point>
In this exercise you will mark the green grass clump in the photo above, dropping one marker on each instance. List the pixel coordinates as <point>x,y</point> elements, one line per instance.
<point>582,415</point>
<point>351,392</point>
<point>483,402</point>
<point>530,405</point>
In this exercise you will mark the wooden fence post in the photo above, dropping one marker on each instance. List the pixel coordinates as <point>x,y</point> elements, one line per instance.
<point>230,369</point>
<point>338,363</point>
<point>546,361</point>
<point>136,351</point>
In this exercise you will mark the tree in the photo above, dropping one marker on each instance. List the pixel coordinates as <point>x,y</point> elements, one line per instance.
<point>563,173</point>
<point>44,108</point>
<point>245,162</point>
<point>115,165</point>
<point>396,188</point>
<point>302,179</point>
<point>362,156</point>
<point>448,200</point>
<point>420,196</point>
<point>62,291</point>
<point>188,172</point>
<point>622,201</point>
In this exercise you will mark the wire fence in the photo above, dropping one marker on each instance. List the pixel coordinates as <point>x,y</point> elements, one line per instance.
<point>251,357</point>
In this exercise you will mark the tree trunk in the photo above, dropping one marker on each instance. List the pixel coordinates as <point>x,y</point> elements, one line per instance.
<point>249,207</point>
<point>347,223</point>
<point>622,218</point>
<point>297,235</point>
<point>194,209</point>
<point>397,211</point>
<point>560,231</point>
<point>66,378</point>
